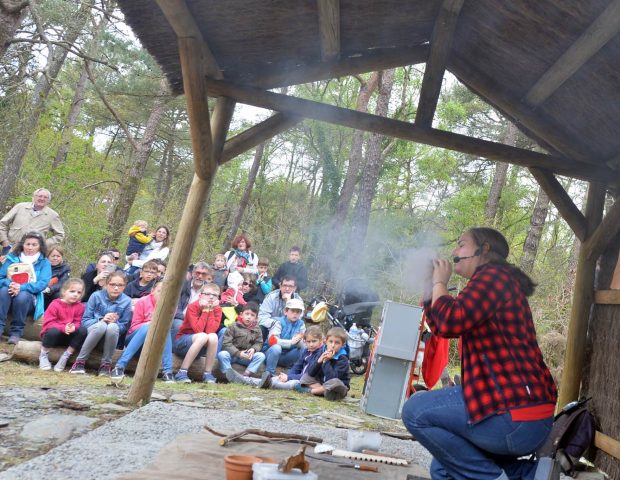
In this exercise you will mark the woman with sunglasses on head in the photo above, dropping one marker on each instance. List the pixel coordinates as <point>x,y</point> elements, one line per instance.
<point>504,408</point>
<point>23,277</point>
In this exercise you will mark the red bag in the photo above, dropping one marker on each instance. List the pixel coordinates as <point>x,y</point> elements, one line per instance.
<point>436,352</point>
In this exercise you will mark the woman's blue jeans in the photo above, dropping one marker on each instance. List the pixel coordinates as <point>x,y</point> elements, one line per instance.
<point>20,305</point>
<point>135,341</point>
<point>487,450</point>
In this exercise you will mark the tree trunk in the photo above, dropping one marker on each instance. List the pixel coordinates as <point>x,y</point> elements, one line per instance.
<point>78,98</point>
<point>247,192</point>
<point>11,16</point>
<point>21,140</point>
<point>499,179</point>
<point>374,162</point>
<point>534,232</point>
<point>129,185</point>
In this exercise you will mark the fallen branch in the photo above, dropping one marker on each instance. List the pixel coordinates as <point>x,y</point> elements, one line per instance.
<point>273,436</point>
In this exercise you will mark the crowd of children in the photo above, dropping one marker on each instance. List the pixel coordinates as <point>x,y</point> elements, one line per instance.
<point>228,311</point>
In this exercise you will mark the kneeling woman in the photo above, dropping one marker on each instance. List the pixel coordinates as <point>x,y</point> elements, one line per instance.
<point>504,407</point>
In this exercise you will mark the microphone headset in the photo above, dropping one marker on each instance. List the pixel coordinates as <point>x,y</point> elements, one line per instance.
<point>477,253</point>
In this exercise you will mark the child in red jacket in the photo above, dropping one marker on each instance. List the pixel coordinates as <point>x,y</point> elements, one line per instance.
<point>61,325</point>
<point>197,333</point>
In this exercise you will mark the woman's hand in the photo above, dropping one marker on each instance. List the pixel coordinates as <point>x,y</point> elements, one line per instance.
<point>14,289</point>
<point>442,270</point>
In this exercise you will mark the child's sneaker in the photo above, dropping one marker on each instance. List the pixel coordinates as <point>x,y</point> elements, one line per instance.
<point>182,377</point>
<point>265,380</point>
<point>105,369</point>
<point>78,367</point>
<point>208,378</point>
<point>298,387</point>
<point>61,363</point>
<point>117,375</point>
<point>44,362</point>
<point>167,377</point>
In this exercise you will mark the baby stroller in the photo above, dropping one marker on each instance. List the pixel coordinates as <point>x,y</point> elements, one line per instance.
<point>353,312</point>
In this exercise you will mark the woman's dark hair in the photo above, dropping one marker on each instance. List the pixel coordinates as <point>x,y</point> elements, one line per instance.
<point>238,238</point>
<point>58,248</point>
<point>166,242</point>
<point>19,246</point>
<point>497,252</point>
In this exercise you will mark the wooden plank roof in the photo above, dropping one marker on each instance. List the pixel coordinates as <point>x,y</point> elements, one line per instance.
<point>500,48</point>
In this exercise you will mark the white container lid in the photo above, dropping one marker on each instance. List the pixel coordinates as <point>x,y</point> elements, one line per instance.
<point>269,471</point>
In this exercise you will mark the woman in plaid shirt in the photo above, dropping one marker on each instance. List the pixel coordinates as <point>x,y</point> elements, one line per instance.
<point>504,408</point>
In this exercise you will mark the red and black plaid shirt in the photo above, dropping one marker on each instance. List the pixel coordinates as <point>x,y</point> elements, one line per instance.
<point>502,365</point>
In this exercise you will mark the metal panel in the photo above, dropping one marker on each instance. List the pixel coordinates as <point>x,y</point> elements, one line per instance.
<point>400,327</point>
<point>385,390</point>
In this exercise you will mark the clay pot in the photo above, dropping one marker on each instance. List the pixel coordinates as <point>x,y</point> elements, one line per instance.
<point>239,467</point>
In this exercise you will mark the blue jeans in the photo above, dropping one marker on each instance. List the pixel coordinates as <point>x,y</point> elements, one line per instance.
<point>487,450</point>
<point>20,305</point>
<point>220,338</point>
<point>276,356</point>
<point>134,342</point>
<point>253,365</point>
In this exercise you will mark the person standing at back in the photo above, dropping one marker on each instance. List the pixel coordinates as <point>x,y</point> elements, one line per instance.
<point>292,268</point>
<point>27,217</point>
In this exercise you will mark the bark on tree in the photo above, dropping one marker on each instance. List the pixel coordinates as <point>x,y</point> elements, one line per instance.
<point>131,181</point>
<point>247,192</point>
<point>499,179</point>
<point>372,169</point>
<point>21,139</point>
<point>534,232</point>
<point>78,97</point>
<point>11,15</point>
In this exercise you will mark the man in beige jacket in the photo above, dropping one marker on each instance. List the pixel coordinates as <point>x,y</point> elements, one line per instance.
<point>33,216</point>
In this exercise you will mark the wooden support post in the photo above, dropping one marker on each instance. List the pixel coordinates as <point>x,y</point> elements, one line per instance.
<point>257,134</point>
<point>190,50</point>
<point>441,43</point>
<point>583,297</point>
<point>329,28</point>
<point>396,128</point>
<point>605,233</point>
<point>601,31</point>
<point>562,201</point>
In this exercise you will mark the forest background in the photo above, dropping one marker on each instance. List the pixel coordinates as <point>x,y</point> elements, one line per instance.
<point>86,112</point>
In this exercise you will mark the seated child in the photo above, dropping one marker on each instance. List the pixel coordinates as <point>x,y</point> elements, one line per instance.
<point>284,342</point>
<point>136,335</point>
<point>242,343</point>
<point>264,280</point>
<point>313,338</point>
<point>197,335</point>
<point>220,270</point>
<point>107,316</point>
<point>233,295</point>
<point>143,285</point>
<point>61,324</point>
<point>138,238</point>
<point>328,375</point>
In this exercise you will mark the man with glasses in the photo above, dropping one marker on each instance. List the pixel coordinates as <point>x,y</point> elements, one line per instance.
<point>272,307</point>
<point>33,216</point>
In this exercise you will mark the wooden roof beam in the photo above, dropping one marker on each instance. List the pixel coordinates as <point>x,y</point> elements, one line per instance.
<point>329,28</point>
<point>441,43</point>
<point>601,31</point>
<point>546,129</point>
<point>257,134</point>
<point>387,58</point>
<point>604,233</point>
<point>404,130</point>
<point>562,201</point>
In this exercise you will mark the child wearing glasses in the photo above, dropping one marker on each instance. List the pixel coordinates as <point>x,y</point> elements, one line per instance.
<point>107,316</point>
<point>197,334</point>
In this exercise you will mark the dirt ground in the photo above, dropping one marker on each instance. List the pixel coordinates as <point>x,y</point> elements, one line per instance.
<point>28,395</point>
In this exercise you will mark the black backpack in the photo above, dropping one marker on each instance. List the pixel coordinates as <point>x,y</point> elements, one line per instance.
<point>571,435</point>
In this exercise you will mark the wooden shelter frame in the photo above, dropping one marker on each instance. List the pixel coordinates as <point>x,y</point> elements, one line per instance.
<point>202,78</point>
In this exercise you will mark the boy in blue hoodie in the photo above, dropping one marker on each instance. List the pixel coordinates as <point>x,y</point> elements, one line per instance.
<point>284,342</point>
<point>328,375</point>
<point>313,339</point>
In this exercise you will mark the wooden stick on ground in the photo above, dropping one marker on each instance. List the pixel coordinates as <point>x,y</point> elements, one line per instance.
<point>292,437</point>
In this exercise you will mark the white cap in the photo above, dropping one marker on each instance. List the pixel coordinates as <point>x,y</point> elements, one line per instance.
<point>295,304</point>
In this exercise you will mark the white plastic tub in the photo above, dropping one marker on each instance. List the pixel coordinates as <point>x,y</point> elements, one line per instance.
<point>269,471</point>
